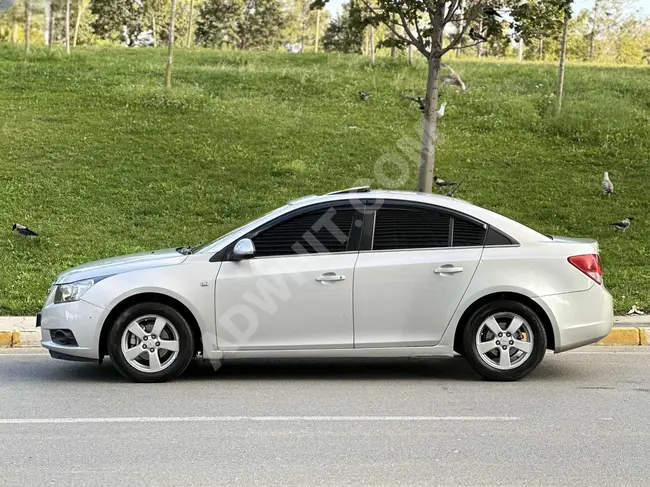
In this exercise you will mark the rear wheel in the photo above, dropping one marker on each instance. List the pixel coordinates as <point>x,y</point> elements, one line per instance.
<point>151,342</point>
<point>504,340</point>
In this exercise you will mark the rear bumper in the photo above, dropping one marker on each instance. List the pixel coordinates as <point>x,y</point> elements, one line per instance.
<point>579,318</point>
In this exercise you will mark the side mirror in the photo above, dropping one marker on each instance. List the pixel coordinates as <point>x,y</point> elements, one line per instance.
<point>244,249</point>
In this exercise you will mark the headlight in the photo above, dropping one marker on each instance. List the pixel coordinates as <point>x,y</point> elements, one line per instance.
<point>73,291</point>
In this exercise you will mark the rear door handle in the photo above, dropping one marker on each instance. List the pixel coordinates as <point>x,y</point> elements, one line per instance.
<point>448,269</point>
<point>330,277</point>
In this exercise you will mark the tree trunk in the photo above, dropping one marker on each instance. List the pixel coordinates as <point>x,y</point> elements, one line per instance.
<point>594,30</point>
<point>50,28</point>
<point>14,32</point>
<point>429,133</point>
<point>560,78</point>
<point>28,23</point>
<point>67,26</point>
<point>371,45</point>
<point>459,24</point>
<point>168,68</point>
<point>540,49</point>
<point>428,154</point>
<point>317,30</point>
<point>153,29</point>
<point>393,49</point>
<point>409,52</point>
<point>188,42</point>
<point>478,46</point>
<point>80,7</point>
<point>521,49</point>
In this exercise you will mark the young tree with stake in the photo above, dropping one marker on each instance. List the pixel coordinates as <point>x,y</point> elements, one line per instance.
<point>170,40</point>
<point>421,23</point>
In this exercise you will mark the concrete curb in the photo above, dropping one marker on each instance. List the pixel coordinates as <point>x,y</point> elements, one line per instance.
<point>21,332</point>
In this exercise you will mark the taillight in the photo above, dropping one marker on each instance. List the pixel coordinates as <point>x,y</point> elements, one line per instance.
<point>589,264</point>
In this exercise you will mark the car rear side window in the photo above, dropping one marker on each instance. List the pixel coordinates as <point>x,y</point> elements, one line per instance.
<point>411,228</point>
<point>467,233</point>
<point>319,231</point>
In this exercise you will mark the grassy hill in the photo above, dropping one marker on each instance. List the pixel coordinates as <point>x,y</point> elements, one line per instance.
<point>96,156</point>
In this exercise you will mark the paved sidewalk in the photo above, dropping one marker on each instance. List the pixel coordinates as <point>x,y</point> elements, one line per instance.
<point>21,331</point>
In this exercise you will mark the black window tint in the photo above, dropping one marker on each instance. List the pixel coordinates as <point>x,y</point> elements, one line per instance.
<point>320,231</point>
<point>467,234</point>
<point>495,237</point>
<point>410,228</point>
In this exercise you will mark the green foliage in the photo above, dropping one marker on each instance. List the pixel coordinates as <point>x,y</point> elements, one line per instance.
<point>345,32</point>
<point>300,25</point>
<point>262,25</point>
<point>218,23</point>
<point>119,19</point>
<point>256,24</point>
<point>99,159</point>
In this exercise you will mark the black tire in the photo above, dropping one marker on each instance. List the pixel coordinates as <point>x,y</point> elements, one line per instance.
<point>472,355</point>
<point>185,342</point>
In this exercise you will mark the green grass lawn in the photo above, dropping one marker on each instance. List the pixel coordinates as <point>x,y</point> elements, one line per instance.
<point>100,160</point>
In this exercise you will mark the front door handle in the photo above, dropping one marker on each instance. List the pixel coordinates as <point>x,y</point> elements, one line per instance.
<point>330,277</point>
<point>448,269</point>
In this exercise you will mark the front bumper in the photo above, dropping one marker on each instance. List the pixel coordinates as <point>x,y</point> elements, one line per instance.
<point>82,319</point>
<point>579,318</point>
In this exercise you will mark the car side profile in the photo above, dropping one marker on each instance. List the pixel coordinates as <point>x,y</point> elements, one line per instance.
<point>354,273</point>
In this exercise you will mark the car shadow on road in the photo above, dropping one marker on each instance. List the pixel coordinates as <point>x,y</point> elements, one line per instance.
<point>419,369</point>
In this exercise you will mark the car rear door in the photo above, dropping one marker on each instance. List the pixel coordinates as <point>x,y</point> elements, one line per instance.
<point>412,273</point>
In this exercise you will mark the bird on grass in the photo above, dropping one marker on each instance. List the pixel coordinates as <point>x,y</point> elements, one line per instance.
<point>476,36</point>
<point>23,231</point>
<point>607,186</point>
<point>364,96</point>
<point>453,78</point>
<point>622,225</point>
<point>491,11</point>
<point>441,183</point>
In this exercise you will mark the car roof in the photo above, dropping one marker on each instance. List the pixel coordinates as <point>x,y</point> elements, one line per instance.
<point>516,230</point>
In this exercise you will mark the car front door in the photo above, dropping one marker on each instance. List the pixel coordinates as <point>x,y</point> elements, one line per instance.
<point>413,273</point>
<point>296,291</point>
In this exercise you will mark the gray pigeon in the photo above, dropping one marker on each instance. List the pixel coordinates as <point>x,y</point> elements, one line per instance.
<point>622,225</point>
<point>607,186</point>
<point>23,230</point>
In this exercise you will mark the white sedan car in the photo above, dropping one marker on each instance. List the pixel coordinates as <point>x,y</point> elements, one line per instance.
<point>354,273</point>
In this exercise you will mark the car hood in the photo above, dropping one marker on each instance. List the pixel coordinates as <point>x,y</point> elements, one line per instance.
<point>124,263</point>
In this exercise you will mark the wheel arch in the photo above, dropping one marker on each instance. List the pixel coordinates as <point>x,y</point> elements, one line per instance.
<point>129,301</point>
<point>500,296</point>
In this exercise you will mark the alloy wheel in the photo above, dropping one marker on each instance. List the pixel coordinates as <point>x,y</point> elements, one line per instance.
<point>150,343</point>
<point>504,341</point>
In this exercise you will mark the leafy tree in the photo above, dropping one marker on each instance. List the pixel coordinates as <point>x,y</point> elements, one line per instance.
<point>301,22</point>
<point>422,24</point>
<point>537,21</point>
<point>345,32</point>
<point>262,25</point>
<point>119,19</point>
<point>218,23</point>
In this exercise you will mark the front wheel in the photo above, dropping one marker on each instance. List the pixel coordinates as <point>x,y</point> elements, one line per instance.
<point>504,341</point>
<point>151,342</point>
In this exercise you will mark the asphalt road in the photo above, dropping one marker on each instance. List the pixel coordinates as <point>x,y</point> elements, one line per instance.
<point>580,419</point>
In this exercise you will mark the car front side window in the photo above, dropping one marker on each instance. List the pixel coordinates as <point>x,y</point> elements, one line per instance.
<point>327,229</point>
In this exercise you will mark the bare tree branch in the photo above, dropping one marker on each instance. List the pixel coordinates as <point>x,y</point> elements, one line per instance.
<point>417,42</point>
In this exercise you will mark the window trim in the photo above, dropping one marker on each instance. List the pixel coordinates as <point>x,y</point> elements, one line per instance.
<point>370,218</point>
<point>354,235</point>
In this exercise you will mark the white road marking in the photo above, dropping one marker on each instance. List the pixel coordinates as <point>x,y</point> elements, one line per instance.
<point>224,419</point>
